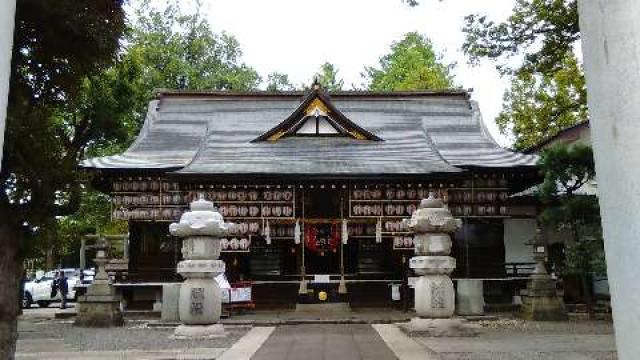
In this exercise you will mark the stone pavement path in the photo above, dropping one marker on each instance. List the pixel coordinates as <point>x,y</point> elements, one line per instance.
<point>320,341</point>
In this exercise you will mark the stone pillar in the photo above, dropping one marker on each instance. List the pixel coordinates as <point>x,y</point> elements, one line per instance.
<point>434,294</point>
<point>470,297</point>
<point>7,21</point>
<point>200,298</point>
<point>611,45</point>
<point>100,307</point>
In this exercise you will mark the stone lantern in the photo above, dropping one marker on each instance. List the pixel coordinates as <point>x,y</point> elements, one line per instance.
<point>100,307</point>
<point>432,225</point>
<point>200,299</point>
<point>542,302</point>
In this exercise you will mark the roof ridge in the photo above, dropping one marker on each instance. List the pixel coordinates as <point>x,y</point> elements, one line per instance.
<point>163,92</point>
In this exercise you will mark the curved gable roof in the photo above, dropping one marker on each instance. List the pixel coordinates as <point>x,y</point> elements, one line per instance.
<point>222,133</point>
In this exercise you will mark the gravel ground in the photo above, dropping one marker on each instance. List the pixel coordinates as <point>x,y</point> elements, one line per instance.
<point>133,336</point>
<point>577,327</point>
<point>514,339</point>
<point>529,356</point>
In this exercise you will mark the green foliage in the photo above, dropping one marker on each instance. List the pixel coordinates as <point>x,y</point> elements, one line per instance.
<point>586,256</point>
<point>277,81</point>
<point>566,169</point>
<point>542,31</point>
<point>57,48</point>
<point>163,46</point>
<point>169,45</point>
<point>412,64</point>
<point>539,106</point>
<point>328,77</point>
<point>548,91</point>
<point>75,94</point>
<point>57,43</point>
<point>412,3</point>
<point>92,217</point>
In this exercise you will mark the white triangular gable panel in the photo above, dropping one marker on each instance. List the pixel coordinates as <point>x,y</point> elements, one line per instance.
<point>325,128</point>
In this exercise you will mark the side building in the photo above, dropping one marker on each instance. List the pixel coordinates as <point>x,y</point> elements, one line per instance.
<point>272,162</point>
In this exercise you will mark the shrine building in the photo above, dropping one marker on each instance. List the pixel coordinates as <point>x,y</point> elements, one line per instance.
<point>315,162</point>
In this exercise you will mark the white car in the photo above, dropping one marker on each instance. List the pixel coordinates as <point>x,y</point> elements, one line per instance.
<point>39,290</point>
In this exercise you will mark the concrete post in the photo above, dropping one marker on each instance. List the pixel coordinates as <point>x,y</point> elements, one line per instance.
<point>7,16</point>
<point>611,47</point>
<point>83,253</point>
<point>125,247</point>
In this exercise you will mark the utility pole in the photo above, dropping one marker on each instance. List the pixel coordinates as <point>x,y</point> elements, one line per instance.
<point>610,34</point>
<point>7,20</point>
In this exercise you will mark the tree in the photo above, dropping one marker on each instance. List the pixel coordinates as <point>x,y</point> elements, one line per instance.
<point>566,169</point>
<point>277,81</point>
<point>103,107</point>
<point>548,90</point>
<point>164,48</point>
<point>543,31</point>
<point>540,105</point>
<point>176,49</point>
<point>412,64</point>
<point>73,96</point>
<point>57,47</point>
<point>93,217</point>
<point>328,77</point>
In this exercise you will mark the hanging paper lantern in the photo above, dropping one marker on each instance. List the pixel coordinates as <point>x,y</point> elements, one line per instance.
<point>345,231</point>
<point>297,233</point>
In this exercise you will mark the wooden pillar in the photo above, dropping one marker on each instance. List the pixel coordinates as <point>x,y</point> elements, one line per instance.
<point>611,47</point>
<point>302,290</point>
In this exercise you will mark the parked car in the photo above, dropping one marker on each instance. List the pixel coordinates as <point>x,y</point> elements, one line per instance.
<point>38,291</point>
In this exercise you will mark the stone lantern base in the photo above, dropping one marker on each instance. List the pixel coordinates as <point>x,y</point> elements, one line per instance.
<point>439,328</point>
<point>542,303</point>
<point>100,307</point>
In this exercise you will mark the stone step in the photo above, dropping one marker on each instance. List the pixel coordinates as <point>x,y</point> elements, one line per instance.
<point>324,308</point>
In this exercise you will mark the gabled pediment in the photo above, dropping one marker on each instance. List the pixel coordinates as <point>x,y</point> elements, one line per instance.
<point>317,117</point>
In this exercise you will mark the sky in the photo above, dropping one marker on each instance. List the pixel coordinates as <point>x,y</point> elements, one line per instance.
<point>296,36</point>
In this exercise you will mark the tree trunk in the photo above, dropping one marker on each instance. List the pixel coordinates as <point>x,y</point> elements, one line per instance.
<point>10,278</point>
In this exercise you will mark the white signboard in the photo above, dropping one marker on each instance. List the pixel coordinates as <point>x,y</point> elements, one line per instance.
<point>242,294</point>
<point>395,292</point>
<point>322,279</point>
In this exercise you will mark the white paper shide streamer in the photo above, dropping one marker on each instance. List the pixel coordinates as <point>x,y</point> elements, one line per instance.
<point>379,231</point>
<point>297,233</point>
<point>345,231</point>
<point>267,233</point>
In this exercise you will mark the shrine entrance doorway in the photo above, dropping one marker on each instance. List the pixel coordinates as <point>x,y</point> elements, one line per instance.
<point>322,249</point>
<point>323,210</point>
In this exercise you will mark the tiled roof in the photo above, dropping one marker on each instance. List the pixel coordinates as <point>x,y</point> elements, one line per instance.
<point>212,133</point>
